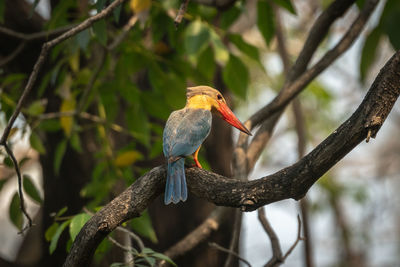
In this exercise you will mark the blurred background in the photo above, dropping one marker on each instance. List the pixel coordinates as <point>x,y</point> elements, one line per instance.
<point>93,124</point>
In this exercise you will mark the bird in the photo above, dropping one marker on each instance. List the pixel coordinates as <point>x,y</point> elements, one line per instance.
<point>185,131</point>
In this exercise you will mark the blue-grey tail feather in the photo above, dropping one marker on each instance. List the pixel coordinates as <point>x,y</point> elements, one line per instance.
<point>175,188</point>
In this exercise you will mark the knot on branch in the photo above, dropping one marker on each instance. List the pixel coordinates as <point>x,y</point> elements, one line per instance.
<point>248,204</point>
<point>103,227</point>
<point>373,126</point>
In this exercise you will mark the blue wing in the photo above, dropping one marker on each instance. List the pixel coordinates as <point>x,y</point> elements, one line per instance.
<point>185,131</point>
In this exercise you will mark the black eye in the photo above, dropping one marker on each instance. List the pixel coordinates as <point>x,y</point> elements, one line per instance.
<point>219,97</point>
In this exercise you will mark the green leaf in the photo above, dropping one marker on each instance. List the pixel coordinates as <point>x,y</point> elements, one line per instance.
<point>247,49</point>
<point>154,104</point>
<point>2,183</point>
<point>206,65</point>
<point>286,4</point>
<point>229,16</point>
<point>77,223</point>
<point>83,39</point>
<point>369,51</point>
<point>52,125</point>
<point>8,162</point>
<point>144,227</point>
<point>31,189</point>
<point>23,161</point>
<point>100,4</point>
<point>100,30</point>
<point>391,27</point>
<point>197,36</point>
<point>75,142</point>
<point>220,51</point>
<point>127,158</point>
<point>36,108</point>
<point>236,76</point>
<point>117,13</point>
<point>129,93</point>
<point>61,211</point>
<point>265,21</point>
<point>36,143</point>
<point>360,4</point>
<point>163,257</point>
<point>15,213</point>
<point>59,155</point>
<point>50,232</point>
<point>56,236</point>
<point>138,124</point>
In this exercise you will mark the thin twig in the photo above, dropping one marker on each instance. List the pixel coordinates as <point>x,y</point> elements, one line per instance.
<point>298,239</point>
<point>115,242</point>
<point>199,234</point>
<point>277,258</point>
<point>181,12</point>
<point>84,115</point>
<point>275,244</point>
<point>230,252</point>
<point>125,30</point>
<point>237,227</point>
<point>20,192</point>
<point>134,236</point>
<point>36,35</point>
<point>13,55</point>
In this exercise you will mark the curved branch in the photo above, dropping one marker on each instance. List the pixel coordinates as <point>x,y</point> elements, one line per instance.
<point>291,90</point>
<point>291,182</point>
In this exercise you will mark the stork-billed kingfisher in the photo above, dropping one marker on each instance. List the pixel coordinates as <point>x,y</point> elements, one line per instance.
<point>185,131</point>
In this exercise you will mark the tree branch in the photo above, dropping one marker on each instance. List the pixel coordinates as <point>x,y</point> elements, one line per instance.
<point>198,235</point>
<point>36,35</point>
<point>20,191</point>
<point>290,91</point>
<point>229,251</point>
<point>275,244</point>
<point>291,182</point>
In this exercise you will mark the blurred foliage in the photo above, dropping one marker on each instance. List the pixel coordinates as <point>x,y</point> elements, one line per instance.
<point>387,26</point>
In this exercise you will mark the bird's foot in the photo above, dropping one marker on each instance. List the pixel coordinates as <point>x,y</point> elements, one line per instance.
<point>197,163</point>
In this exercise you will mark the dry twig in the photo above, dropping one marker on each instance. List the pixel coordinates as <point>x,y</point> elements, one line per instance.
<point>229,251</point>
<point>181,12</point>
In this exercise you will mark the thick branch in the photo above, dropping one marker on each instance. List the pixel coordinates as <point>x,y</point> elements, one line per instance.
<point>291,182</point>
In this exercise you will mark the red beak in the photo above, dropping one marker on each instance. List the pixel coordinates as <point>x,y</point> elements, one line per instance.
<point>229,117</point>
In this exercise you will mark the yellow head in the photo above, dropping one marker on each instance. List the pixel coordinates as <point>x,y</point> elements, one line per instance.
<point>205,97</point>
